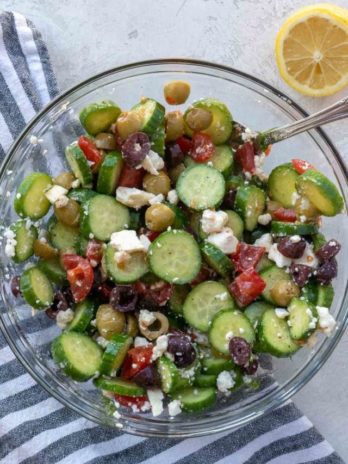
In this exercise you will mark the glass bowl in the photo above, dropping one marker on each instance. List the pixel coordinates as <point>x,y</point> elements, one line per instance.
<point>40,147</point>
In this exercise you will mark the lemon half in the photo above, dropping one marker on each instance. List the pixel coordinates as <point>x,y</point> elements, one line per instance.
<point>312,50</point>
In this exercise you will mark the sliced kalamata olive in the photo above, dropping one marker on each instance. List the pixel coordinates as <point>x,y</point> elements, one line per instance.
<point>174,155</point>
<point>328,251</point>
<point>251,367</point>
<point>291,248</point>
<point>15,286</point>
<point>147,377</point>
<point>240,351</point>
<point>327,271</point>
<point>135,148</point>
<point>181,348</point>
<point>229,199</point>
<point>123,298</point>
<point>60,303</point>
<point>300,273</point>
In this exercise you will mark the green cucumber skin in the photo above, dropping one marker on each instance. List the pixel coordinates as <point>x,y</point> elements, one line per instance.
<point>62,236</point>
<point>25,250</point>
<point>109,173</point>
<point>81,194</point>
<point>282,184</point>
<point>123,276</point>
<point>115,353</point>
<point>119,386</point>
<point>156,119</point>
<point>53,270</point>
<point>196,405</point>
<point>213,366</point>
<point>216,259</point>
<point>206,380</point>
<point>28,292</point>
<point>24,189</point>
<point>246,207</point>
<point>95,108</point>
<point>293,228</point>
<point>177,298</point>
<point>84,313</point>
<point>235,222</point>
<point>79,164</point>
<point>158,140</point>
<point>296,332</point>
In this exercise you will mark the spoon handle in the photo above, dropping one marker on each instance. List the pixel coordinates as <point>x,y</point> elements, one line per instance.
<point>335,112</point>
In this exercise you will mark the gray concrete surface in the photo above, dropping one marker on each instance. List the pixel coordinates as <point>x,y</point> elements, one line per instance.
<point>84,37</point>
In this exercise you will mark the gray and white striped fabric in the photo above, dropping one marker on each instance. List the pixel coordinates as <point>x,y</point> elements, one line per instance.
<point>35,428</point>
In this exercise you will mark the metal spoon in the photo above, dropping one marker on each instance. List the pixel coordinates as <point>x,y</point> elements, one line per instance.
<point>335,112</point>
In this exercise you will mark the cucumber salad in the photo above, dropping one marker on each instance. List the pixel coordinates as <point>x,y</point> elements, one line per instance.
<point>169,258</point>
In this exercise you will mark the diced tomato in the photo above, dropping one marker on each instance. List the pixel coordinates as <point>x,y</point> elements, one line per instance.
<point>284,214</point>
<point>160,292</point>
<point>202,148</point>
<point>140,287</point>
<point>131,177</point>
<point>137,359</point>
<point>94,252</point>
<point>268,150</point>
<point>90,151</point>
<point>247,256</point>
<point>129,401</point>
<point>79,274</point>
<point>185,144</point>
<point>301,166</point>
<point>247,287</point>
<point>245,157</point>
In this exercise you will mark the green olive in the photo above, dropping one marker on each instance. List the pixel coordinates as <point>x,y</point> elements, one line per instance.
<point>198,119</point>
<point>109,321</point>
<point>176,92</point>
<point>158,217</point>
<point>65,179</point>
<point>157,184</point>
<point>174,125</point>
<point>283,291</point>
<point>105,141</point>
<point>44,250</point>
<point>175,172</point>
<point>69,214</point>
<point>132,325</point>
<point>128,123</point>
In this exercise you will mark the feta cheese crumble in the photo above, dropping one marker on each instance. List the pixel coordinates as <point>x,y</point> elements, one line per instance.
<point>264,219</point>
<point>11,242</point>
<point>326,321</point>
<point>56,193</point>
<point>224,240</point>
<point>265,241</point>
<point>157,199</point>
<point>126,240</point>
<point>172,197</point>
<point>225,382</point>
<point>64,318</point>
<point>145,242</point>
<point>153,163</point>
<point>160,348</point>
<point>155,396</point>
<point>174,408</point>
<point>275,255</point>
<point>281,313</point>
<point>308,258</point>
<point>213,221</point>
<point>133,197</point>
<point>146,318</point>
<point>141,341</point>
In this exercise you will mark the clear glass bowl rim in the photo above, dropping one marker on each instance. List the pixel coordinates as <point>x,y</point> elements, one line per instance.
<point>267,404</point>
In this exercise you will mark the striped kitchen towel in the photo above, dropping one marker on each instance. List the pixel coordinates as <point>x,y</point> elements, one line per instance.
<point>34,427</point>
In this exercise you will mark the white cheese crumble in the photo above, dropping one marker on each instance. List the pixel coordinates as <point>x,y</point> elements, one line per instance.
<point>160,348</point>
<point>55,193</point>
<point>224,240</point>
<point>145,242</point>
<point>275,255</point>
<point>294,197</point>
<point>133,197</point>
<point>264,219</point>
<point>281,313</point>
<point>157,199</point>
<point>221,296</point>
<point>153,163</point>
<point>326,321</point>
<point>174,408</point>
<point>141,341</point>
<point>121,257</point>
<point>76,183</point>
<point>102,341</point>
<point>265,241</point>
<point>64,318</point>
<point>295,239</point>
<point>126,240</point>
<point>225,382</point>
<point>308,258</point>
<point>155,396</point>
<point>248,135</point>
<point>172,197</point>
<point>146,318</point>
<point>213,221</point>
<point>11,242</point>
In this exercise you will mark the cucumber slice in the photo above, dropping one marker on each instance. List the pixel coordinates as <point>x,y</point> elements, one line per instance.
<point>195,399</point>
<point>293,228</point>
<point>175,257</point>
<point>318,241</point>
<point>79,164</point>
<point>213,366</point>
<point>249,204</point>
<point>62,236</point>
<point>81,246</point>
<point>206,380</point>
<point>109,173</point>
<point>180,218</point>
<point>204,301</point>
<point>282,185</point>
<point>158,140</point>
<point>201,187</point>
<point>36,288</point>
<point>53,270</point>
<point>223,160</point>
<point>30,200</point>
<point>103,215</point>
<point>131,271</point>
<point>84,313</point>
<point>274,336</point>
<point>255,311</point>
<point>25,238</point>
<point>271,276</point>
<point>177,298</point>
<point>226,323</point>
<point>169,375</point>
<point>81,194</point>
<point>233,182</point>
<point>321,192</point>
<point>151,113</point>
<point>302,319</point>
<point>221,127</point>
<point>77,354</point>
<point>235,222</point>
<point>216,259</point>
<point>115,353</point>
<point>264,264</point>
<point>98,117</point>
<point>318,295</point>
<point>119,386</point>
<point>196,225</point>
